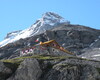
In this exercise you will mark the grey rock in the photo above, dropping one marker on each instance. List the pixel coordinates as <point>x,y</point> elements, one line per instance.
<point>29,69</point>
<point>91,53</point>
<point>72,72</point>
<point>95,44</point>
<point>5,72</point>
<point>69,70</point>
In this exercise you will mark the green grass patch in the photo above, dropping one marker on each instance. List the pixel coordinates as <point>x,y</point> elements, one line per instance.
<point>42,57</point>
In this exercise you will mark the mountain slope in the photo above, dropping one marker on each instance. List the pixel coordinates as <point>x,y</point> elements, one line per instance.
<point>75,38</point>
<point>9,37</point>
<point>47,22</point>
<point>49,68</point>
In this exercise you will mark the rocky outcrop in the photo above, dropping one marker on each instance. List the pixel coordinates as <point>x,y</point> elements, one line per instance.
<point>29,69</point>
<point>54,68</point>
<point>5,72</point>
<point>72,72</point>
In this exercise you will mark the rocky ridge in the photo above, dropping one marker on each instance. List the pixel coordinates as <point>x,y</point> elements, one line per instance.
<point>50,68</point>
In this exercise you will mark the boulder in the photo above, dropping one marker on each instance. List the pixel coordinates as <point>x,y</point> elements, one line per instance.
<point>5,72</point>
<point>29,69</point>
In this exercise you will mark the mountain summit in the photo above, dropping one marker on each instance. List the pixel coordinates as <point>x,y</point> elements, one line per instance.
<point>50,60</point>
<point>47,22</point>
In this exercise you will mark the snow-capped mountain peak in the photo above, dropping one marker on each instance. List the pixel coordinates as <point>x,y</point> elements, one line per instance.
<point>50,16</point>
<point>47,22</point>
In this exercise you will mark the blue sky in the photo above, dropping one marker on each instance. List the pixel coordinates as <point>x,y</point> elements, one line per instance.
<point>21,14</point>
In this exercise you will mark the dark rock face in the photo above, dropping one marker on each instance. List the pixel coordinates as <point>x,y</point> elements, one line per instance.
<point>29,69</point>
<point>5,72</point>
<point>62,69</point>
<point>72,72</point>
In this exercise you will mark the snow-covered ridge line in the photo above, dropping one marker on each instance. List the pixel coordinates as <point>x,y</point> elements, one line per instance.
<point>47,22</point>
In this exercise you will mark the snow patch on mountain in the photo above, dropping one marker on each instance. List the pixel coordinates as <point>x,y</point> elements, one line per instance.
<point>95,42</point>
<point>12,34</point>
<point>47,22</point>
<point>96,55</point>
<point>92,53</point>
